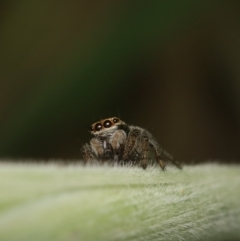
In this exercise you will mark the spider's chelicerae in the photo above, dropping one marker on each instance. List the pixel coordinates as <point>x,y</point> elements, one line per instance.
<point>115,141</point>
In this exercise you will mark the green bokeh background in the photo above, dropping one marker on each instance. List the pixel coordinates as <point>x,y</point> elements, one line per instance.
<point>169,66</point>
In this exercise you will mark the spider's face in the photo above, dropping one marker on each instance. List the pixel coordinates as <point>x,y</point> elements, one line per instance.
<point>106,125</point>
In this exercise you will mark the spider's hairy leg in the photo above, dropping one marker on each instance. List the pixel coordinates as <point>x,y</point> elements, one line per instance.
<point>97,148</point>
<point>171,158</point>
<point>144,146</point>
<point>158,152</point>
<point>130,143</point>
<point>87,153</point>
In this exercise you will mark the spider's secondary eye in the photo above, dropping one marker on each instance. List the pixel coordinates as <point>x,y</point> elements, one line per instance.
<point>98,127</point>
<point>115,120</point>
<point>107,123</point>
<point>91,128</point>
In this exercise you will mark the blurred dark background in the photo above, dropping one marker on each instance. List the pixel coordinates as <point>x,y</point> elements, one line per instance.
<point>172,67</point>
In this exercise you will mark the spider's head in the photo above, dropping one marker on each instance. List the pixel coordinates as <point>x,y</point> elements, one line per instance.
<point>106,125</point>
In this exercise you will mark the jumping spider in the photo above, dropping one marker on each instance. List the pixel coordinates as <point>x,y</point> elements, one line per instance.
<point>115,141</point>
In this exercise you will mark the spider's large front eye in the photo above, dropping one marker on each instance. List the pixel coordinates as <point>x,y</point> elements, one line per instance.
<point>98,127</point>
<point>115,120</point>
<point>107,124</point>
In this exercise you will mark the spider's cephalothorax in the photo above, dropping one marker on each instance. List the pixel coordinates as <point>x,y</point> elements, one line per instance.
<point>113,140</point>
